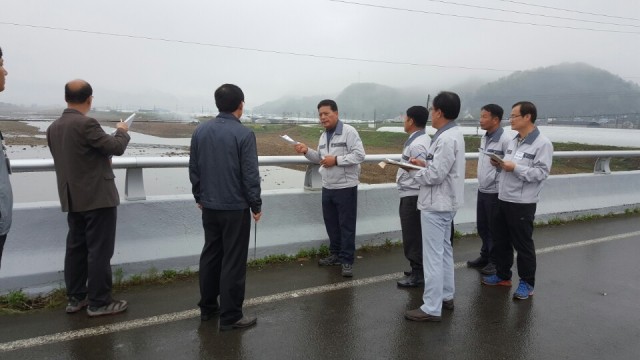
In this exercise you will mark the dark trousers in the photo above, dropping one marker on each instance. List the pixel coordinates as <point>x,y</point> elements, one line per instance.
<point>411,232</point>
<point>3,238</point>
<point>223,262</point>
<point>339,210</point>
<point>513,229</point>
<point>485,211</point>
<point>87,263</point>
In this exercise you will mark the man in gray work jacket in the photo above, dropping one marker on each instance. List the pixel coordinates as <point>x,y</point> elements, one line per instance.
<point>441,195</point>
<point>495,141</point>
<point>6,194</point>
<point>416,146</point>
<point>525,166</point>
<point>225,179</point>
<point>339,153</point>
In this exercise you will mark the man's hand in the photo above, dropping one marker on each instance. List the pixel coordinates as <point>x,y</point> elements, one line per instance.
<point>508,166</point>
<point>257,216</point>
<point>418,162</point>
<point>122,125</point>
<point>301,148</point>
<point>328,161</point>
<point>199,206</point>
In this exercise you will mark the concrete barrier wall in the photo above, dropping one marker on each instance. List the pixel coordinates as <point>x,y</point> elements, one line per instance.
<point>166,232</point>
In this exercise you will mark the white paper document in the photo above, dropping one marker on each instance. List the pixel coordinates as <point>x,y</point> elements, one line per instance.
<point>129,121</point>
<point>289,140</point>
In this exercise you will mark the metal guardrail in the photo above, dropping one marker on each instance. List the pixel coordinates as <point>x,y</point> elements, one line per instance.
<point>134,184</point>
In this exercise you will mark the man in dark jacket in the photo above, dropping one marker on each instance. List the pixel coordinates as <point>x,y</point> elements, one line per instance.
<point>82,153</point>
<point>223,169</point>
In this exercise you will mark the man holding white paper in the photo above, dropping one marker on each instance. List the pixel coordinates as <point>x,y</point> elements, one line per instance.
<point>441,195</point>
<point>416,146</point>
<point>340,153</point>
<point>493,145</point>
<point>526,166</point>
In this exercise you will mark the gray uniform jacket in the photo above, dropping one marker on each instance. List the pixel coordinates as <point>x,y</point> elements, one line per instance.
<point>417,146</point>
<point>488,175</point>
<point>442,182</point>
<point>533,158</point>
<point>346,145</point>
<point>6,194</point>
<point>223,165</point>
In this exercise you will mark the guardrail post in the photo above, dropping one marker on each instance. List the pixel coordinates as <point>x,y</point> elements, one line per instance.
<point>602,166</point>
<point>312,178</point>
<point>134,185</point>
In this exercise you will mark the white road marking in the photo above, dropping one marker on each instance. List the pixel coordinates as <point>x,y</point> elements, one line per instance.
<point>189,314</point>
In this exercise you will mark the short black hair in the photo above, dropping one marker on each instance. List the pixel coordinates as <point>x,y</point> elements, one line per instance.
<point>327,102</point>
<point>228,98</point>
<point>449,103</point>
<point>419,114</point>
<point>527,108</point>
<point>0,52</point>
<point>494,110</point>
<point>77,96</point>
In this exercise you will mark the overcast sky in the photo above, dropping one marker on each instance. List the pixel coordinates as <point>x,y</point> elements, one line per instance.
<point>131,72</point>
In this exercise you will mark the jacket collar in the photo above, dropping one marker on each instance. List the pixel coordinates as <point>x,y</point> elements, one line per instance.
<point>449,125</point>
<point>338,129</point>
<point>494,136</point>
<point>226,115</point>
<point>71,111</point>
<point>531,137</point>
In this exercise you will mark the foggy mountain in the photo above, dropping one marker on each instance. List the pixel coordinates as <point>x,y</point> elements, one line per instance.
<point>569,89</point>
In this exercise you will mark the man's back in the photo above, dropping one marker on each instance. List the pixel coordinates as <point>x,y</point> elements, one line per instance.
<point>224,165</point>
<point>81,151</point>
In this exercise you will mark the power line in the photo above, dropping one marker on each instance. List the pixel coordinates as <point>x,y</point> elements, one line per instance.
<point>483,18</point>
<point>188,42</point>
<point>569,10</point>
<point>528,13</point>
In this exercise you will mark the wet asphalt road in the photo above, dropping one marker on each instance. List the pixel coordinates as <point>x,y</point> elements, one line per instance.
<point>569,317</point>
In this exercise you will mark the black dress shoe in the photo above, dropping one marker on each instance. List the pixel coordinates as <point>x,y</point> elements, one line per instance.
<point>480,262</point>
<point>448,304</point>
<point>408,273</point>
<point>411,281</point>
<point>490,269</point>
<point>208,315</point>
<point>243,323</point>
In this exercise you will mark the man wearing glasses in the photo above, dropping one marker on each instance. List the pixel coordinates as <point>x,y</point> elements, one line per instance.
<point>525,166</point>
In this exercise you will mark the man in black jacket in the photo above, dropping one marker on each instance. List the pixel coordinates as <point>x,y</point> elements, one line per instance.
<point>223,169</point>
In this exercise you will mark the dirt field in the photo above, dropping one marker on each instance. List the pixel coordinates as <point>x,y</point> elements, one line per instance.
<point>270,144</point>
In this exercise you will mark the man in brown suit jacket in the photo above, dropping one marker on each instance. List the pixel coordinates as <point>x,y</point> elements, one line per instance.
<point>82,153</point>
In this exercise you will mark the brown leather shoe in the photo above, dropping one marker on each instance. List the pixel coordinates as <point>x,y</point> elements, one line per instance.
<point>448,304</point>
<point>243,323</point>
<point>419,315</point>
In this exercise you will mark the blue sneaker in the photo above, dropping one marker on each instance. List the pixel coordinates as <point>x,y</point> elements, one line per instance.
<point>524,291</point>
<point>493,280</point>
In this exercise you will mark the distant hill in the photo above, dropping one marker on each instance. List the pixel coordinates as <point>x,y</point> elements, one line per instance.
<point>356,101</point>
<point>565,90</point>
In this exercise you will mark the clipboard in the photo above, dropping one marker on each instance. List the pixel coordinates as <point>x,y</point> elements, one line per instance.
<point>405,166</point>
<point>493,156</point>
